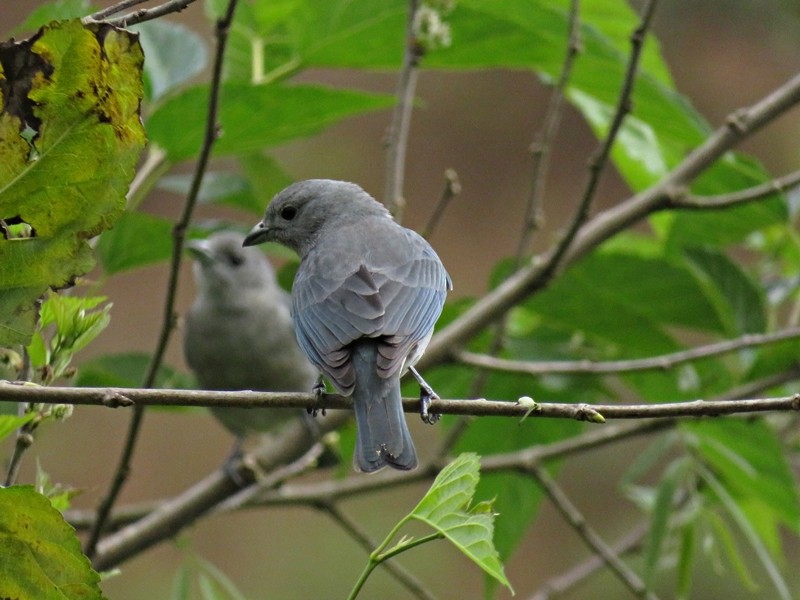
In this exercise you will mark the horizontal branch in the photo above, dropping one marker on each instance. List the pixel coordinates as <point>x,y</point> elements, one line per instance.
<point>597,413</point>
<point>139,527</point>
<point>661,362</point>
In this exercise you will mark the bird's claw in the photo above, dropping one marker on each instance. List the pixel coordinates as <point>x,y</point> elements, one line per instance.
<point>234,463</point>
<point>426,395</point>
<point>317,390</point>
<point>425,398</point>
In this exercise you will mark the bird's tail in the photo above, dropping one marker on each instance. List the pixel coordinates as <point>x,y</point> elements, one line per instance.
<point>382,433</point>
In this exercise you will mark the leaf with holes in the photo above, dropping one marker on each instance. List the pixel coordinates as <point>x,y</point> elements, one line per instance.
<point>70,136</point>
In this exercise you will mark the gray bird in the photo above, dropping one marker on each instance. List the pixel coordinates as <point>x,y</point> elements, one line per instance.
<point>365,299</point>
<point>239,334</point>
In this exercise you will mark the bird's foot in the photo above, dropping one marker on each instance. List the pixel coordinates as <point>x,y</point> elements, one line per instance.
<point>234,465</point>
<point>317,390</point>
<point>426,395</point>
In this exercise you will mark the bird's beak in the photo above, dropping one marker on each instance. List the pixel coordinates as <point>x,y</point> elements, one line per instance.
<point>200,251</point>
<point>258,235</point>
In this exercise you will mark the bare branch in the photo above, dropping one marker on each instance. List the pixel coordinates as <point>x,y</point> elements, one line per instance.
<point>540,149</point>
<point>23,442</point>
<point>663,362</point>
<point>164,518</point>
<point>598,163</point>
<point>596,413</point>
<point>397,141</point>
<point>174,514</point>
<point>138,16</point>
<point>179,234</point>
<point>592,539</point>
<point>114,9</point>
<point>25,433</point>
<point>533,208</point>
<point>776,186</point>
<point>740,125</point>
<point>567,580</point>
<point>452,188</point>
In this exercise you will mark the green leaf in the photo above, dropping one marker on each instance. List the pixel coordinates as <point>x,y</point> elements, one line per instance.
<point>745,527</point>
<point>749,460</point>
<point>77,321</point>
<point>253,117</point>
<point>251,192</point>
<point>628,305</point>
<point>725,538</point>
<point>174,54</point>
<point>61,10</point>
<point>40,556</point>
<point>137,239</point>
<point>517,498</point>
<point>266,178</point>
<point>182,583</point>
<point>738,300</point>
<point>10,423</point>
<point>270,40</point>
<point>218,584</point>
<point>446,508</point>
<point>662,128</point>
<point>686,556</point>
<point>78,92</point>
<point>660,516</point>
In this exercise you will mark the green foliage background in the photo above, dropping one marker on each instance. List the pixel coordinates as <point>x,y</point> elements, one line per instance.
<point>720,493</point>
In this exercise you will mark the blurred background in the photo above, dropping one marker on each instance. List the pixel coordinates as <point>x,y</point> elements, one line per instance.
<point>724,54</point>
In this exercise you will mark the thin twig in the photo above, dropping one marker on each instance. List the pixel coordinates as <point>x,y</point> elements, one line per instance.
<point>598,163</point>
<point>776,186</point>
<point>592,539</point>
<point>25,433</point>
<point>145,14</point>
<point>452,188</point>
<point>301,465</point>
<point>532,216</point>
<point>23,442</point>
<point>564,582</point>
<point>397,140</point>
<point>740,125</point>
<point>114,9</point>
<point>662,362</point>
<point>179,233</point>
<point>542,145</point>
<point>402,575</point>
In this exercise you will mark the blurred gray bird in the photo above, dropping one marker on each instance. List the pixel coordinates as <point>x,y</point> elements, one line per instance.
<point>365,299</point>
<point>239,334</point>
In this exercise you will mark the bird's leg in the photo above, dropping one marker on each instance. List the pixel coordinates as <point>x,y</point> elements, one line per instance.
<point>317,390</point>
<point>230,465</point>
<point>329,456</point>
<point>426,394</point>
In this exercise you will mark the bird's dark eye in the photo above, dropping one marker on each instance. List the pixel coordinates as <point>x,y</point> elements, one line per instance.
<point>288,212</point>
<point>234,259</point>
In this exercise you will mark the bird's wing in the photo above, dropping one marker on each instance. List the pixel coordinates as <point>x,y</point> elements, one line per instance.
<point>393,288</point>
